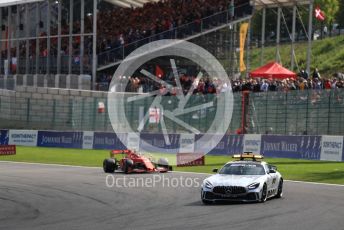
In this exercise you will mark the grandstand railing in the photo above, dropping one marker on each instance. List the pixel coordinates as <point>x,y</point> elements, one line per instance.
<point>63,81</point>
<point>310,112</point>
<point>42,65</point>
<point>116,55</point>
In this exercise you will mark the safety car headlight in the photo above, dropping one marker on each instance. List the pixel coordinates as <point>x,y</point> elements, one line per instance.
<point>253,186</point>
<point>208,185</point>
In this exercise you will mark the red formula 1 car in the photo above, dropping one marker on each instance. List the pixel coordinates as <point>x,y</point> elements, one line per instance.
<point>133,162</point>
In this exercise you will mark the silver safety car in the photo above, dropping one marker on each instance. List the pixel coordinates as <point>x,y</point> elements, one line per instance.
<point>246,179</point>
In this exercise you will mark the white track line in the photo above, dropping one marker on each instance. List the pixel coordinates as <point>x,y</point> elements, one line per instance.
<point>195,173</point>
<point>46,164</point>
<point>291,181</point>
<point>315,183</point>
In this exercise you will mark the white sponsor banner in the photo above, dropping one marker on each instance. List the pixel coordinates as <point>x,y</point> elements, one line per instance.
<point>331,148</point>
<point>87,140</point>
<point>186,143</point>
<point>133,141</point>
<point>252,143</point>
<point>23,137</point>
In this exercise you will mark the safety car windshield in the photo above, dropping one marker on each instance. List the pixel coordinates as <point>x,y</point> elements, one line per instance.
<point>242,169</point>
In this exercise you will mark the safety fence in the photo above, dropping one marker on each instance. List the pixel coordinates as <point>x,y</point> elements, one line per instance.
<point>299,147</point>
<point>310,112</point>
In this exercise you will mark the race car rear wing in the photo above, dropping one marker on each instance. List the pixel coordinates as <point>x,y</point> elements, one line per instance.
<point>116,152</point>
<point>248,155</point>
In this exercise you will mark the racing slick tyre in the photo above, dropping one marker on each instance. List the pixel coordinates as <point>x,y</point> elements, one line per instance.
<point>128,164</point>
<point>109,165</point>
<point>264,195</point>
<point>163,162</point>
<point>280,189</point>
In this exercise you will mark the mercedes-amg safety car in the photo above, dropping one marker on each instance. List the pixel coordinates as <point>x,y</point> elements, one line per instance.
<point>245,179</point>
<point>131,161</point>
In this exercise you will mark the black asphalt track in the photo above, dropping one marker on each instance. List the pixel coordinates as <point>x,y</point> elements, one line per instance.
<point>34,196</point>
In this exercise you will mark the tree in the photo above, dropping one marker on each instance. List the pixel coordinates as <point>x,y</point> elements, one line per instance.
<point>340,14</point>
<point>330,7</point>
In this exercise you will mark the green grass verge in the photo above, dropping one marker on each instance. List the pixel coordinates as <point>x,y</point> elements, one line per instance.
<point>291,169</point>
<point>327,55</point>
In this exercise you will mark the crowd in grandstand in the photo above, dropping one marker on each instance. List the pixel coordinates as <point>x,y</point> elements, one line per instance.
<point>156,17</point>
<point>208,85</point>
<point>118,27</point>
<point>264,85</point>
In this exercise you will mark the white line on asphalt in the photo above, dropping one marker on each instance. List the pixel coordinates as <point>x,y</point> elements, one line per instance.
<point>46,164</point>
<point>315,183</point>
<point>94,167</point>
<point>291,181</point>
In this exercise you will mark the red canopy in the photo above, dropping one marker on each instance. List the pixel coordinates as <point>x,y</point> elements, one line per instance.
<point>273,70</point>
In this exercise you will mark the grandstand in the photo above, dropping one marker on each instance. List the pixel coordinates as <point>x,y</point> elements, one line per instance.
<point>60,44</point>
<point>61,38</point>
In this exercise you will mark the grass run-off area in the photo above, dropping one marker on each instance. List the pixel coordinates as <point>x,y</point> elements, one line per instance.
<point>291,169</point>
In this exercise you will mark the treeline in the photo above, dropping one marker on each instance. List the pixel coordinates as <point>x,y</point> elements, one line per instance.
<point>333,9</point>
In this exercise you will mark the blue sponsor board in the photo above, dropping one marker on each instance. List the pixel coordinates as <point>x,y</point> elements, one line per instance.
<point>343,151</point>
<point>299,147</point>
<point>235,144</point>
<point>60,139</point>
<point>228,145</point>
<point>219,149</point>
<point>156,143</point>
<point>4,137</point>
<point>109,141</point>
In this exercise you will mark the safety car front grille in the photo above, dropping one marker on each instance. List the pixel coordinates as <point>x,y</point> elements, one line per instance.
<point>247,197</point>
<point>229,190</point>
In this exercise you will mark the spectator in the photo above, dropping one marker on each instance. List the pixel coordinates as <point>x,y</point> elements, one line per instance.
<point>316,74</point>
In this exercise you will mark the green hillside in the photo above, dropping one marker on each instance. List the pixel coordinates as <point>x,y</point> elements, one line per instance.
<point>327,55</point>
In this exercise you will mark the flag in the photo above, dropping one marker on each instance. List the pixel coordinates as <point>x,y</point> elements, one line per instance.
<point>154,115</point>
<point>159,72</point>
<point>319,14</point>
<point>243,33</point>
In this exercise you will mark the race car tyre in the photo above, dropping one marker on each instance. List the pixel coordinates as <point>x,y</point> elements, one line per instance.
<point>109,165</point>
<point>264,195</point>
<point>163,162</point>
<point>127,165</point>
<point>280,189</point>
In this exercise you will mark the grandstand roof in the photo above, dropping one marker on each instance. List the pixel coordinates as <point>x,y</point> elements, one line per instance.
<point>130,3</point>
<point>276,3</point>
<point>4,3</point>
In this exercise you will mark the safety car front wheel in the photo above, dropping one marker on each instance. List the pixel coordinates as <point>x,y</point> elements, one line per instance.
<point>264,194</point>
<point>280,189</point>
